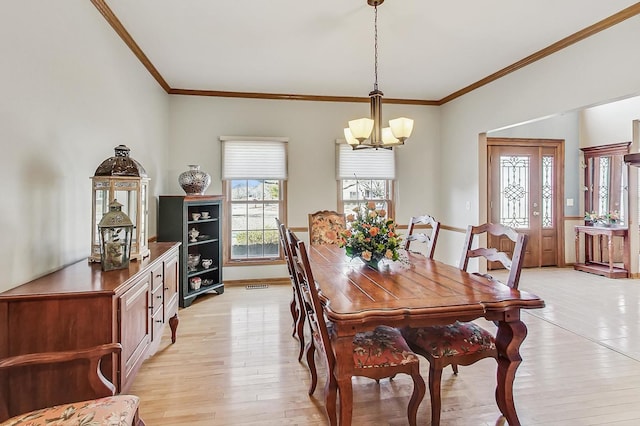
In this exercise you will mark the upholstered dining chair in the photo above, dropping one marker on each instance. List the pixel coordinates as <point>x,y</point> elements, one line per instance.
<point>377,354</point>
<point>325,226</point>
<point>464,343</point>
<point>429,239</point>
<point>106,408</point>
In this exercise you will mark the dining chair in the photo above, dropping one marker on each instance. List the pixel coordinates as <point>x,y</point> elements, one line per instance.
<point>298,310</point>
<point>377,354</point>
<point>293,305</point>
<point>429,239</point>
<point>102,409</point>
<point>464,343</point>
<point>512,261</point>
<point>325,227</point>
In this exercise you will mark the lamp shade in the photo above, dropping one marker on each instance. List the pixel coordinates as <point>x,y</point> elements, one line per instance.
<point>361,128</point>
<point>401,127</point>
<point>387,137</point>
<point>349,137</point>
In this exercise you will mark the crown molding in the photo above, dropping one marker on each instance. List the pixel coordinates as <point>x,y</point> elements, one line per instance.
<point>602,25</point>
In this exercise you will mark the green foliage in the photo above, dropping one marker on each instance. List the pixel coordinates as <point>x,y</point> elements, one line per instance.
<point>257,237</point>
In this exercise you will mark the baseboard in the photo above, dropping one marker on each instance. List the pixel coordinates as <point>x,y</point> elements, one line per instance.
<point>270,281</point>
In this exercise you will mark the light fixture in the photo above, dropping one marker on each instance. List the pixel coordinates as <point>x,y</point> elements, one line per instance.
<point>368,132</point>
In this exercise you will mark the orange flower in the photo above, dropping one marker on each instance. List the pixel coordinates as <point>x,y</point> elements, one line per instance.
<point>382,213</point>
<point>351,217</point>
<point>347,233</point>
<point>374,231</point>
<point>388,254</point>
<point>371,205</point>
<point>391,234</point>
<point>366,255</point>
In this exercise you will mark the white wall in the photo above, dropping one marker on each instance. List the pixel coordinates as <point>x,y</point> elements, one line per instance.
<point>72,91</point>
<point>197,122</point>
<point>601,68</point>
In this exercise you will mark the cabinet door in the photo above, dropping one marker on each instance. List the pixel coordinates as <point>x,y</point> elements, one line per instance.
<point>135,333</point>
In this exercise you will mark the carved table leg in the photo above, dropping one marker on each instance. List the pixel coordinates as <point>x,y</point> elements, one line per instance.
<point>511,334</point>
<point>173,324</point>
<point>343,372</point>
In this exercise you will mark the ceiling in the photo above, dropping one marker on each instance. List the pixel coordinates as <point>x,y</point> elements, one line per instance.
<point>429,50</point>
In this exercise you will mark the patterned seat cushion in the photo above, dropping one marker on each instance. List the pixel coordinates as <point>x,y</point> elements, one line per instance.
<point>460,338</point>
<point>116,410</point>
<point>382,347</point>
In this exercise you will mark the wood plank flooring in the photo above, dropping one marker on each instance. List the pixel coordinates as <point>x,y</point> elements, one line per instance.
<point>235,363</point>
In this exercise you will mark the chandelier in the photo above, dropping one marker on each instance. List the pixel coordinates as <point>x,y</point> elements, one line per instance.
<point>368,132</point>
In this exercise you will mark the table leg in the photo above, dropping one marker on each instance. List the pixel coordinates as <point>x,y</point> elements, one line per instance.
<point>610,248</point>
<point>511,334</point>
<point>343,347</point>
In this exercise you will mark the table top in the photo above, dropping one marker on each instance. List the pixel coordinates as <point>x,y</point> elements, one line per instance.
<point>421,291</point>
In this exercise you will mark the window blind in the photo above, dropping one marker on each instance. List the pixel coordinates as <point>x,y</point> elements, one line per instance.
<point>364,163</point>
<point>254,158</point>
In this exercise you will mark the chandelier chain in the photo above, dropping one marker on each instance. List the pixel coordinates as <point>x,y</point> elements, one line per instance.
<point>375,47</point>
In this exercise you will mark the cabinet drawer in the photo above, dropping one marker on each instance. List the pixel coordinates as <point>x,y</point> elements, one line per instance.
<point>157,323</point>
<point>157,278</point>
<point>157,299</point>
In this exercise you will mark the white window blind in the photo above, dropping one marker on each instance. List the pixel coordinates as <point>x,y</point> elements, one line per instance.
<point>254,158</point>
<point>364,163</point>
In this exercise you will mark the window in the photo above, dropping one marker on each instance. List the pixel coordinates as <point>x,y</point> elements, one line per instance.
<point>254,173</point>
<point>365,175</point>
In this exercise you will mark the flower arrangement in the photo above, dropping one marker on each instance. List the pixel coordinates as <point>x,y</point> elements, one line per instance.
<point>370,235</point>
<point>607,218</point>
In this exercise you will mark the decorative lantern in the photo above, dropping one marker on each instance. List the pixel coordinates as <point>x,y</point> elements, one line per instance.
<point>122,178</point>
<point>115,229</point>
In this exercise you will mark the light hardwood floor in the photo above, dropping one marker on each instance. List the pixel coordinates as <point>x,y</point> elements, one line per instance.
<point>235,363</point>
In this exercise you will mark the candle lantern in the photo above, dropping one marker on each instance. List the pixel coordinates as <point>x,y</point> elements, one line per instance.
<point>115,230</point>
<point>123,178</point>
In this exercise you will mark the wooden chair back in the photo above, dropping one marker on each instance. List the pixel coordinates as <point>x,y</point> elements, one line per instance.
<point>325,227</point>
<point>429,239</point>
<point>315,315</point>
<point>28,365</point>
<point>512,263</point>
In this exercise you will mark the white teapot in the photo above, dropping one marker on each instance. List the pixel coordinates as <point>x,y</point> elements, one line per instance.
<point>194,234</point>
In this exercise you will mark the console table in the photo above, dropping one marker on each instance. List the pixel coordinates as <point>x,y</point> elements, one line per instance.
<point>607,269</point>
<point>80,306</point>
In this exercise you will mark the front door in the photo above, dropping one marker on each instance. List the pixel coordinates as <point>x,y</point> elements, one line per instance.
<point>525,193</point>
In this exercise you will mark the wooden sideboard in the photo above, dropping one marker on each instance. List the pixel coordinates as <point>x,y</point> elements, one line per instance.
<point>597,265</point>
<point>80,306</point>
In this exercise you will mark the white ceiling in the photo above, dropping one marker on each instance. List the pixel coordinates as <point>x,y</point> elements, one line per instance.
<point>428,49</point>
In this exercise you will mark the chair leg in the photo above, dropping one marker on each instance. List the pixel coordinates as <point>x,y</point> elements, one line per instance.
<point>419,389</point>
<point>331,397</point>
<point>300,332</point>
<point>295,312</point>
<point>311,362</point>
<point>455,368</point>
<point>435,376</point>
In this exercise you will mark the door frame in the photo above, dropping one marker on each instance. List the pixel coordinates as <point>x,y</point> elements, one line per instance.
<point>558,205</point>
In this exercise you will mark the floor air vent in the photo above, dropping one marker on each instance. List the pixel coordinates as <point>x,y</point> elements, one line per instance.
<point>257,286</point>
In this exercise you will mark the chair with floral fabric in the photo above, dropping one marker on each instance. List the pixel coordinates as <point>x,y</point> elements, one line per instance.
<point>377,354</point>
<point>464,343</point>
<point>422,237</point>
<point>106,409</point>
<point>325,227</point>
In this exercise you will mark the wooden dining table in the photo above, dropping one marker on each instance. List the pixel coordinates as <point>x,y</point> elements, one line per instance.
<point>418,292</point>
